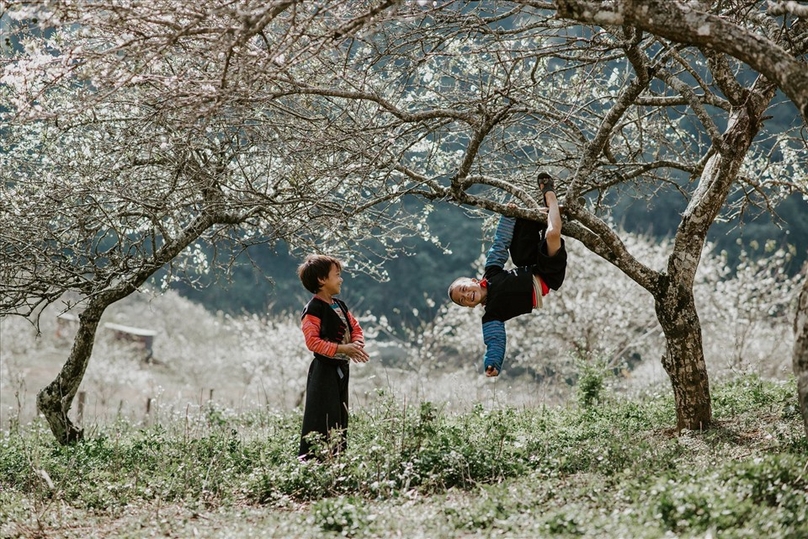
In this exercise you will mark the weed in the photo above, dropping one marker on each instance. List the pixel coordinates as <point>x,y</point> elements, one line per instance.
<point>591,376</point>
<point>751,392</point>
<point>491,506</point>
<point>563,522</point>
<point>343,515</point>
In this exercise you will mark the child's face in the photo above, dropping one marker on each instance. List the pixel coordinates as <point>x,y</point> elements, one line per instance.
<point>331,285</point>
<point>467,292</point>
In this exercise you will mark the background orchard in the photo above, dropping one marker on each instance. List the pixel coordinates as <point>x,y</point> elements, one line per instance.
<point>598,320</point>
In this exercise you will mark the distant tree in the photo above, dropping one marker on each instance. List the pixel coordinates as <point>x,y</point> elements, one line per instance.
<point>800,354</point>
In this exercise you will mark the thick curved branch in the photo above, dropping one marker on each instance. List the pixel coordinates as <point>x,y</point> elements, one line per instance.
<point>681,23</point>
<point>781,8</point>
<point>580,224</point>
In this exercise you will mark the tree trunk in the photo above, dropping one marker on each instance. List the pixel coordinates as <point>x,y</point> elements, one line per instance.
<point>55,400</point>
<point>800,357</point>
<point>684,357</point>
<point>675,305</point>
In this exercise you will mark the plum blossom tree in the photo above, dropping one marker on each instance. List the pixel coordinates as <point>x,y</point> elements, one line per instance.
<point>134,133</point>
<point>770,37</point>
<point>475,99</point>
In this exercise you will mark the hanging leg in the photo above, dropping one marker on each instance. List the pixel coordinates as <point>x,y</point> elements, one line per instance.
<point>553,233</point>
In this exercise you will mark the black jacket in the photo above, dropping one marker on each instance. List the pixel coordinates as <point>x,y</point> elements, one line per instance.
<point>509,293</point>
<point>332,328</point>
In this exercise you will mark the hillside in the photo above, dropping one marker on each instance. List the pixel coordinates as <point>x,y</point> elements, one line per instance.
<point>202,441</point>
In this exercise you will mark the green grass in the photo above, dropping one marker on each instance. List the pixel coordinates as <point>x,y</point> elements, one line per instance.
<point>608,467</point>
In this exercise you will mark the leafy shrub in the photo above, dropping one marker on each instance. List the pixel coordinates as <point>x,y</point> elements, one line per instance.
<point>747,393</point>
<point>776,481</point>
<point>343,515</point>
<point>591,376</point>
<point>563,522</point>
<point>767,494</point>
<point>682,506</point>
<point>491,506</point>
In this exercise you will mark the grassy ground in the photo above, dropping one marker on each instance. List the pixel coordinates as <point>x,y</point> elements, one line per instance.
<point>610,468</point>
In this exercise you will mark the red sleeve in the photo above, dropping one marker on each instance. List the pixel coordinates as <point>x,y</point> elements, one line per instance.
<point>357,335</point>
<point>311,331</point>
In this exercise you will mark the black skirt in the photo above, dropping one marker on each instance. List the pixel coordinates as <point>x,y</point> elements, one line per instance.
<point>326,408</point>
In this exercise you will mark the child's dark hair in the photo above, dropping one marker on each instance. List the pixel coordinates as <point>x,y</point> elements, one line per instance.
<point>314,268</point>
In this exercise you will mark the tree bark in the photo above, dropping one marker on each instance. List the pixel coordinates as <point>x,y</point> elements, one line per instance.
<point>684,356</point>
<point>55,399</point>
<point>674,301</point>
<point>800,357</point>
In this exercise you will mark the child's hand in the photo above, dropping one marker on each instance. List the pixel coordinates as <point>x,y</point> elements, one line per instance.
<point>491,371</point>
<point>356,351</point>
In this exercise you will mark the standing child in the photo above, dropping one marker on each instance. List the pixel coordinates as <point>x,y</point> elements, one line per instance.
<point>336,339</point>
<point>539,253</point>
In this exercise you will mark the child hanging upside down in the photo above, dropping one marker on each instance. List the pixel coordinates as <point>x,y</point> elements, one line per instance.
<point>539,253</point>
